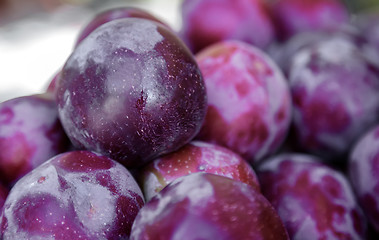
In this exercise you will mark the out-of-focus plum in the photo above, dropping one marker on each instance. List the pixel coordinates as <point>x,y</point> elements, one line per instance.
<point>30,134</point>
<point>335,94</point>
<point>249,103</point>
<point>113,14</point>
<point>194,157</point>
<point>294,16</point>
<point>313,200</point>
<point>75,195</point>
<point>207,206</point>
<point>363,171</point>
<point>132,91</point>
<point>209,21</point>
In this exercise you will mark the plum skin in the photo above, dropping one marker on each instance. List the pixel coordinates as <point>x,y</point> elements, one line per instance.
<point>132,91</point>
<point>195,156</point>
<point>335,97</point>
<point>249,102</point>
<point>313,200</point>
<point>206,22</point>
<point>363,173</point>
<point>208,206</point>
<point>113,14</point>
<point>75,195</point>
<point>30,133</point>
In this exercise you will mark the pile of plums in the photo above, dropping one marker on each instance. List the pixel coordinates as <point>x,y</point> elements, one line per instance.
<point>256,120</point>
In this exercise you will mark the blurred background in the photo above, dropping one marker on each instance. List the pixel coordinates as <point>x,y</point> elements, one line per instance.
<point>37,36</point>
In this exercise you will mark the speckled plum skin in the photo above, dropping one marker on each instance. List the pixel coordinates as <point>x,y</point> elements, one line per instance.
<point>30,134</point>
<point>132,91</point>
<point>313,200</point>
<point>363,172</point>
<point>75,195</point>
<point>206,22</point>
<point>336,97</point>
<point>113,14</point>
<point>207,206</point>
<point>294,16</point>
<point>195,156</point>
<point>249,103</point>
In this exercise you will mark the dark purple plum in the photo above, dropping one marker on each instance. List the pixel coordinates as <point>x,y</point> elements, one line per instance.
<point>294,16</point>
<point>75,195</point>
<point>206,22</point>
<point>52,87</point>
<point>207,206</point>
<point>363,171</point>
<point>249,103</point>
<point>3,195</point>
<point>30,134</point>
<point>113,14</point>
<point>313,200</point>
<point>194,157</point>
<point>335,93</point>
<point>131,90</point>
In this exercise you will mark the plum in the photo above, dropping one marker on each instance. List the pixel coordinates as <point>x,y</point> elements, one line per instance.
<point>207,206</point>
<point>195,156</point>
<point>249,102</point>
<point>113,14</point>
<point>30,134</point>
<point>294,16</point>
<point>313,200</point>
<point>363,169</point>
<point>52,87</point>
<point>74,195</point>
<point>132,91</point>
<point>209,21</point>
<point>3,195</point>
<point>335,93</point>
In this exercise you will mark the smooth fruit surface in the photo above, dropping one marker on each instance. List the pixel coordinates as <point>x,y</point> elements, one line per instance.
<point>75,195</point>
<point>132,91</point>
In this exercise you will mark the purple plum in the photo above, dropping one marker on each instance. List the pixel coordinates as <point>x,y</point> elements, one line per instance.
<point>294,16</point>
<point>194,157</point>
<point>335,92</point>
<point>313,200</point>
<point>363,169</point>
<point>132,91</point>
<point>249,102</point>
<point>207,206</point>
<point>206,22</point>
<point>113,14</point>
<point>74,195</point>
<point>30,134</point>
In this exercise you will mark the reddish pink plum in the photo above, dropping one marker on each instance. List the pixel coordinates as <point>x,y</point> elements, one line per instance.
<point>75,195</point>
<point>30,134</point>
<point>363,171</point>
<point>295,16</point>
<point>194,157</point>
<point>207,206</point>
<point>335,93</point>
<point>113,14</point>
<point>132,91</point>
<point>313,200</point>
<point>249,103</point>
<point>206,22</point>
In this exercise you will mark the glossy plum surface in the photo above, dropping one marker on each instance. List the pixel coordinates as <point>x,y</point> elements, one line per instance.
<point>30,134</point>
<point>75,195</point>
<point>363,171</point>
<point>113,14</point>
<point>249,103</point>
<point>295,16</point>
<point>194,157</point>
<point>209,21</point>
<point>132,91</point>
<point>313,200</point>
<point>207,206</point>
<point>335,93</point>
